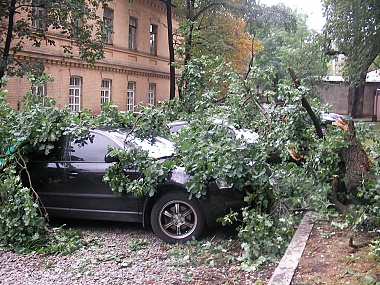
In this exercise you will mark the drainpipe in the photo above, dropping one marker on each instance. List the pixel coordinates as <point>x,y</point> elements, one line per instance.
<point>377,94</point>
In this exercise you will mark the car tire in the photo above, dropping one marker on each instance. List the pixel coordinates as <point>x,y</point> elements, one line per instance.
<point>176,218</point>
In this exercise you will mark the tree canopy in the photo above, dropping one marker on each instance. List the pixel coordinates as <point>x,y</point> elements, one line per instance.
<point>353,28</point>
<point>300,49</point>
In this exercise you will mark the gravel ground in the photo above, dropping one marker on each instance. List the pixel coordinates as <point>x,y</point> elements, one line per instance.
<point>120,253</point>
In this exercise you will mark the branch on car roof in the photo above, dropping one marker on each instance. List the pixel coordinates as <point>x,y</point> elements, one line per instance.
<point>133,127</point>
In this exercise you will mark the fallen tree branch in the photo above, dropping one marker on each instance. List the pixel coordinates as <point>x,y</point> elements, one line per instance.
<point>340,123</point>
<point>338,205</point>
<point>359,245</point>
<point>306,105</point>
<point>37,199</point>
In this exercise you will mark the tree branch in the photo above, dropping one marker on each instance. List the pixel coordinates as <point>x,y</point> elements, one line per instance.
<point>306,105</point>
<point>38,201</point>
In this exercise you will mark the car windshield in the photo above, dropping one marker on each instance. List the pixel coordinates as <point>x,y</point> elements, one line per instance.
<point>158,148</point>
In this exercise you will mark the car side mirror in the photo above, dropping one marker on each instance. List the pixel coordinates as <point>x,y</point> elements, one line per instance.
<point>110,159</point>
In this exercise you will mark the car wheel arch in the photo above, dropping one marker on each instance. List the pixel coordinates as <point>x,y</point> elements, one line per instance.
<point>162,190</point>
<point>175,218</point>
<point>151,200</point>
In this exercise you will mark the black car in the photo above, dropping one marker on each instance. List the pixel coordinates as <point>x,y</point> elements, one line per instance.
<point>69,182</point>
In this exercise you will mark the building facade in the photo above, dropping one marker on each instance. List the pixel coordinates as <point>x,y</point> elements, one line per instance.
<point>135,68</point>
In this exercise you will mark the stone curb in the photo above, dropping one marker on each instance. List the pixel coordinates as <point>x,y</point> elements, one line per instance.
<point>284,272</point>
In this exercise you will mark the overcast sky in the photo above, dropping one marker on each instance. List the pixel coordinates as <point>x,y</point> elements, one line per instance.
<point>313,8</point>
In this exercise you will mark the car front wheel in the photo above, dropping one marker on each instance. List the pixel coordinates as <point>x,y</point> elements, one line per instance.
<point>175,218</point>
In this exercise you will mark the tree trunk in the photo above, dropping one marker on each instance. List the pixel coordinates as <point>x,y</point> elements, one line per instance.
<point>189,38</point>
<point>355,160</point>
<point>357,166</point>
<point>8,40</point>
<point>355,99</point>
<point>171,48</point>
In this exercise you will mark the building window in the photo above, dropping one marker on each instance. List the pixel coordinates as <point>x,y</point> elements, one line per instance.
<point>132,33</point>
<point>131,96</point>
<point>105,93</point>
<point>108,23</point>
<point>153,39</point>
<point>76,26</point>
<point>151,94</point>
<point>38,90</point>
<point>75,93</point>
<point>38,17</point>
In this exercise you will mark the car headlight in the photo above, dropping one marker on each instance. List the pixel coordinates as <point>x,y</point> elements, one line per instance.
<point>222,184</point>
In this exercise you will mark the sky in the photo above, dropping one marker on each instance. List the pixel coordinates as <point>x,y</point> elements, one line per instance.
<point>313,8</point>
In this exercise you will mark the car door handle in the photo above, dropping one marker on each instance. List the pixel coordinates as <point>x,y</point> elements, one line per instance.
<point>73,174</point>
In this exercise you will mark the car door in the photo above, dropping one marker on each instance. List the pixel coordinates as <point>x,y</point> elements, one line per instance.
<point>88,196</point>
<point>48,178</point>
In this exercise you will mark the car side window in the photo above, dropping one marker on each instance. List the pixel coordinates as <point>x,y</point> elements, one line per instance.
<point>91,149</point>
<point>54,154</point>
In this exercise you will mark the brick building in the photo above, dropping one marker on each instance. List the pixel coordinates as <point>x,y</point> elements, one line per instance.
<point>135,68</point>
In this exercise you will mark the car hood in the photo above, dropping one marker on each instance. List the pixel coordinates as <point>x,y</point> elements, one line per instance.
<point>247,135</point>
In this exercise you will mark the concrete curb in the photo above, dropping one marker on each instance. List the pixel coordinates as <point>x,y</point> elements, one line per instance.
<point>284,272</point>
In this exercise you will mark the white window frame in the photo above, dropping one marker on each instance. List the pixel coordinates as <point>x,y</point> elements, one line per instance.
<point>105,93</point>
<point>75,93</point>
<point>131,96</point>
<point>132,34</point>
<point>39,90</point>
<point>152,94</point>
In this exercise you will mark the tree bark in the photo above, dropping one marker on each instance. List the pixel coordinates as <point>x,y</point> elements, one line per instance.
<point>171,48</point>
<point>356,161</point>
<point>355,99</point>
<point>306,105</point>
<point>8,40</point>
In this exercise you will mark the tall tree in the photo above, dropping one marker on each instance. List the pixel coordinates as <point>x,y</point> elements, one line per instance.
<point>171,48</point>
<point>227,28</point>
<point>225,35</point>
<point>353,28</point>
<point>299,49</point>
<point>197,17</point>
<point>29,22</point>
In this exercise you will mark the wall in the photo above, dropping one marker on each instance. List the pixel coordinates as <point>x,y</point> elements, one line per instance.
<point>335,93</point>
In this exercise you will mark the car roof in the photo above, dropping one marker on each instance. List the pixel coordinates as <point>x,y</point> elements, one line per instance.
<point>157,148</point>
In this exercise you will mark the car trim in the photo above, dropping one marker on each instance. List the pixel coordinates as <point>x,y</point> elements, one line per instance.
<point>97,196</point>
<point>104,211</point>
<point>107,215</point>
